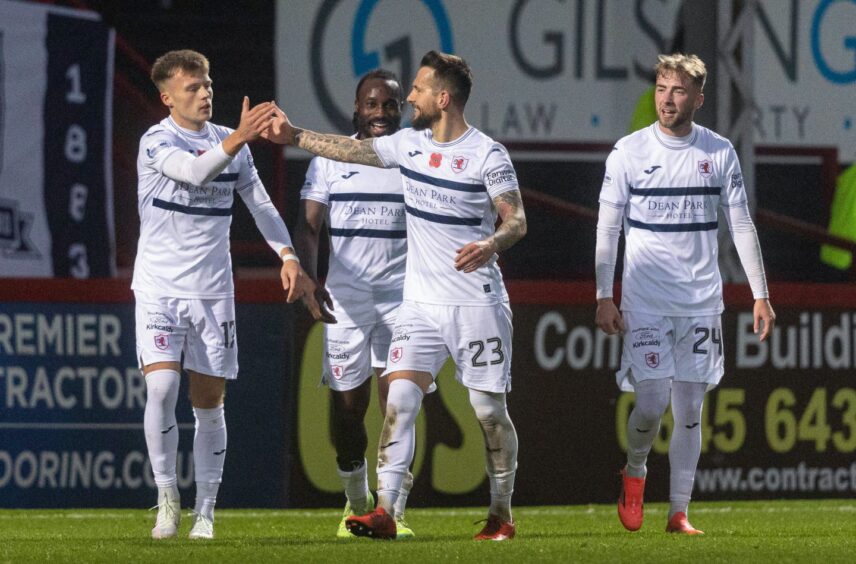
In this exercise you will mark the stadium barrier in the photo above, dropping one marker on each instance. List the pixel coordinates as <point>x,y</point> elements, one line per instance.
<point>782,423</point>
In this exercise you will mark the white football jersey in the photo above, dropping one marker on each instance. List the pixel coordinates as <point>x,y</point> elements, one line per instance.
<point>448,194</point>
<point>670,189</point>
<point>183,251</point>
<point>368,237</point>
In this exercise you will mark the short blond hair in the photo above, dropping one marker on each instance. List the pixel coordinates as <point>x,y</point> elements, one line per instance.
<point>687,65</point>
<point>168,64</point>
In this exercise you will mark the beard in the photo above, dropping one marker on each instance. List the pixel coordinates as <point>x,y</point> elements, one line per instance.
<point>676,121</point>
<point>425,120</point>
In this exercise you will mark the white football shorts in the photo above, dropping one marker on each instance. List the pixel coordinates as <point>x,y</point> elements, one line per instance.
<point>478,338</point>
<point>685,349</point>
<point>350,353</point>
<point>203,330</point>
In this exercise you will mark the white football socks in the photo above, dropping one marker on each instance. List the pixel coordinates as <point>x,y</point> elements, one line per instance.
<point>500,441</point>
<point>685,445</point>
<point>209,452</point>
<point>161,428</point>
<point>652,400</point>
<point>397,441</point>
<point>356,483</point>
<point>403,492</point>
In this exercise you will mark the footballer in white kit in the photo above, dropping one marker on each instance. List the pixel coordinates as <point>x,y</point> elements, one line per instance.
<point>365,278</point>
<point>189,170</point>
<point>363,208</point>
<point>448,194</point>
<point>664,185</point>
<point>456,182</point>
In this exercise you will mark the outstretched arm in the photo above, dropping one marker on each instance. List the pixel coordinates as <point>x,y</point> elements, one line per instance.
<point>509,206</point>
<point>336,147</point>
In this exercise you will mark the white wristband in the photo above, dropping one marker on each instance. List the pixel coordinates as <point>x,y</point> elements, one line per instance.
<point>290,256</point>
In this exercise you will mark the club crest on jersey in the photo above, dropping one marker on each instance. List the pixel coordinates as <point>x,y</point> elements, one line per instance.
<point>162,341</point>
<point>705,168</point>
<point>652,359</point>
<point>459,163</point>
<point>337,372</point>
<point>396,354</point>
<point>436,160</point>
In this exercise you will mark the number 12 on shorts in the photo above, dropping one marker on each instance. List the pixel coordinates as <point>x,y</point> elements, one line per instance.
<point>494,348</point>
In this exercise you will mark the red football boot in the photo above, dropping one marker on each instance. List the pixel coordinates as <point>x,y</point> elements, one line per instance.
<point>679,524</point>
<point>630,501</point>
<point>496,529</point>
<point>378,525</point>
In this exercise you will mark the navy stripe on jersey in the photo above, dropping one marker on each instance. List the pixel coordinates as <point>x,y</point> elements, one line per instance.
<point>446,219</point>
<point>442,182</point>
<point>374,233</point>
<point>226,177</point>
<point>673,227</point>
<point>190,210</point>
<point>366,197</point>
<point>682,191</point>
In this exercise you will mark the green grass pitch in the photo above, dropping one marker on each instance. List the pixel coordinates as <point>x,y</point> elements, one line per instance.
<point>777,531</point>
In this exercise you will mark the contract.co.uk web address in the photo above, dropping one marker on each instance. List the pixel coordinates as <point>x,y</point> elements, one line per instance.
<point>800,478</point>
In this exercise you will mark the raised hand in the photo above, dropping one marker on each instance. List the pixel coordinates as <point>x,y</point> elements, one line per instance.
<point>279,129</point>
<point>254,121</point>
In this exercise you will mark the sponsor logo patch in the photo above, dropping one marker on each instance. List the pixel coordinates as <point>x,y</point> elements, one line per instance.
<point>504,176</point>
<point>737,180</point>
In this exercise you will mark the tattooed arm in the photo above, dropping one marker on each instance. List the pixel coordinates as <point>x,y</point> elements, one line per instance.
<point>473,256</point>
<point>336,147</point>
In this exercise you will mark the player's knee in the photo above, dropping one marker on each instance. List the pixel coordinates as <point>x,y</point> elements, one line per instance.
<point>404,400</point>
<point>650,409</point>
<point>489,408</point>
<point>162,386</point>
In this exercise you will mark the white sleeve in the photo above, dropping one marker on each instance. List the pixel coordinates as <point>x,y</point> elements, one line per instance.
<point>614,193</point>
<point>386,148</point>
<point>606,249</point>
<point>497,172</point>
<point>748,248</point>
<point>315,186</point>
<point>267,219</point>
<point>198,171</point>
